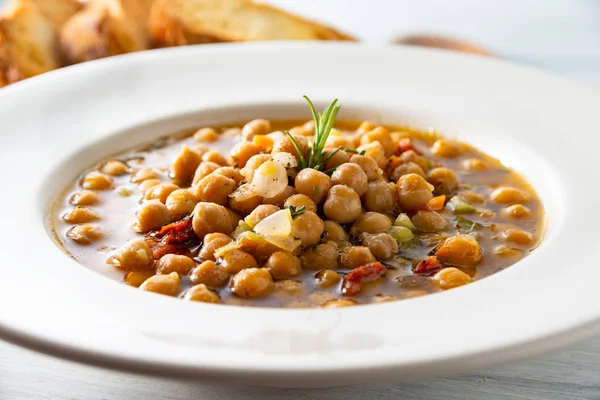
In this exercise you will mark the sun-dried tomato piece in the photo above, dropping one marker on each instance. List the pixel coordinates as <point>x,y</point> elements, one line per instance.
<point>176,232</point>
<point>174,238</point>
<point>353,283</point>
<point>428,266</point>
<point>405,144</point>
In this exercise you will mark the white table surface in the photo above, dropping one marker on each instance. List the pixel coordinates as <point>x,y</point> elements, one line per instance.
<point>558,35</point>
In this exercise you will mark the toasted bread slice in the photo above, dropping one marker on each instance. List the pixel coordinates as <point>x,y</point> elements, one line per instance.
<point>180,22</point>
<point>58,11</point>
<point>105,28</point>
<point>27,42</point>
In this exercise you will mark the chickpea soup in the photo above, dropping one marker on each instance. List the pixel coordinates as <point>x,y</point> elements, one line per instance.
<point>321,213</point>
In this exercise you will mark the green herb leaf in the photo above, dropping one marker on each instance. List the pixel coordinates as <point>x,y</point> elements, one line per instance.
<point>295,211</point>
<point>466,225</point>
<point>317,157</point>
<point>353,151</point>
<point>362,153</point>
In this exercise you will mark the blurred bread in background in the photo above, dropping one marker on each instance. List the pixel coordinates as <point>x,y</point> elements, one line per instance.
<point>28,37</point>
<point>105,28</point>
<point>181,22</point>
<point>38,36</point>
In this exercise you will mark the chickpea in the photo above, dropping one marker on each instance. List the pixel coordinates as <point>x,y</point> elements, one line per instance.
<point>160,192</point>
<point>368,165</point>
<point>232,132</point>
<point>321,256</point>
<point>449,278</point>
<point>384,298</point>
<point>256,127</point>
<point>210,218</point>
<point>366,126</point>
<point>474,164</point>
<point>212,242</point>
<point>334,141</point>
<point>414,157</point>
<point>135,255</point>
<point>319,298</point>
<point>148,184</point>
<point>80,215</point>
<point>308,227</point>
<point>288,287</point>
<point>210,274</point>
<point>342,204</point>
<point>152,215</point>
<point>429,221</point>
<point>236,260</point>
<point>174,263</point>
<point>114,168</point>
<point>301,200</point>
<point>381,135</point>
<point>252,283</point>
<point>235,218</point>
<point>381,196</point>
<point>516,211</point>
<point>252,165</point>
<point>339,158</point>
<point>507,251</point>
<point>280,198</point>
<point>85,234</point>
<point>259,213</point>
<point>246,205</point>
<point>163,284</point>
<point>96,181</point>
<point>371,222</point>
<point>518,236</point>
<point>327,278</point>
<point>144,174</point>
<point>413,191</point>
<point>201,293</point>
<point>85,198</point>
<point>376,151</point>
<point>444,181</point>
<point>297,304</point>
<point>312,183</point>
<point>285,145</point>
<point>200,149</point>
<point>381,245</point>
<point>405,169</point>
<point>355,256</point>
<point>185,164</point>
<point>204,169</point>
<point>242,152</point>
<point>351,175</point>
<point>446,148</point>
<point>214,188</point>
<point>206,135</point>
<point>508,195</point>
<point>231,173</point>
<point>337,303</point>
<point>472,197</point>
<point>283,265</point>
<point>180,203</point>
<point>463,250</point>
<point>334,232</point>
<point>214,156</point>
<point>136,278</point>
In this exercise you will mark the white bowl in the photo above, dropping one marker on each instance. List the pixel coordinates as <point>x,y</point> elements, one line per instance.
<point>56,125</point>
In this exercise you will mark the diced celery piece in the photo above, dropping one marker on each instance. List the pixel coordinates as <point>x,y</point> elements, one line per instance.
<point>401,233</point>
<point>241,228</point>
<point>459,206</point>
<point>404,220</point>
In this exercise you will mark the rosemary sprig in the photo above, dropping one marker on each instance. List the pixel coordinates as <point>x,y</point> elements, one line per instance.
<point>296,211</point>
<point>317,158</point>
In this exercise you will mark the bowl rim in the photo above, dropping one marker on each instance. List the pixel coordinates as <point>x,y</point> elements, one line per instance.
<point>305,364</point>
